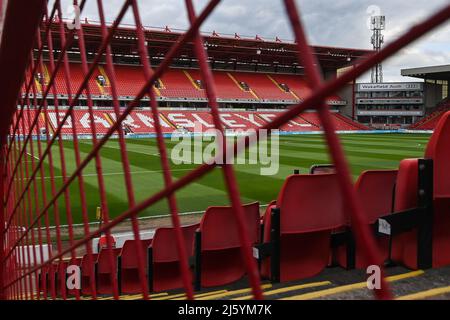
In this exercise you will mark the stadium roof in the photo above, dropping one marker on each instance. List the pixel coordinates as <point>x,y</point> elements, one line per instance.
<point>429,73</point>
<point>220,48</point>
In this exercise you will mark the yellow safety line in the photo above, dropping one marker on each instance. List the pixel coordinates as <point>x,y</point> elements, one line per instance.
<point>254,94</point>
<point>242,89</point>
<point>104,74</point>
<point>38,86</point>
<point>425,294</point>
<point>46,74</point>
<point>158,93</point>
<point>201,295</point>
<point>191,80</point>
<point>46,78</point>
<point>171,296</point>
<point>235,81</point>
<point>102,90</point>
<point>109,118</point>
<point>138,296</point>
<point>233,293</point>
<point>128,297</point>
<point>276,83</point>
<point>294,94</point>
<point>182,296</point>
<point>106,298</point>
<point>350,287</point>
<point>49,122</point>
<point>279,87</point>
<point>163,86</point>
<point>164,118</point>
<point>288,289</point>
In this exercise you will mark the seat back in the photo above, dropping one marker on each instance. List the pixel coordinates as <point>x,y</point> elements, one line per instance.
<point>438,149</point>
<point>50,279</point>
<point>164,243</point>
<point>310,203</point>
<point>219,227</point>
<point>103,265</point>
<point>406,186</point>
<point>85,264</point>
<point>375,190</point>
<point>128,255</point>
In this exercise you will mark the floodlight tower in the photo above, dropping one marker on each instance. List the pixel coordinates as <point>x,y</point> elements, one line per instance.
<point>378,24</point>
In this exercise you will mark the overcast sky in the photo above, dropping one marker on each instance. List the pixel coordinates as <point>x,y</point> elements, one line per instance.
<point>341,23</point>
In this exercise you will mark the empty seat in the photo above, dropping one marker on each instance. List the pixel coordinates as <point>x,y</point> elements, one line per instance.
<point>218,245</point>
<point>60,278</point>
<point>43,279</point>
<point>164,263</point>
<point>87,270</point>
<point>130,282</point>
<point>310,207</point>
<point>375,190</point>
<point>105,272</point>
<point>406,197</point>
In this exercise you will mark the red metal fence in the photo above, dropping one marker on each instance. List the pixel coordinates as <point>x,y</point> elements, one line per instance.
<point>29,206</point>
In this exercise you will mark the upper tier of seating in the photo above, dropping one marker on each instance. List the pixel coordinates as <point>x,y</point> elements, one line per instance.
<point>142,122</point>
<point>178,84</point>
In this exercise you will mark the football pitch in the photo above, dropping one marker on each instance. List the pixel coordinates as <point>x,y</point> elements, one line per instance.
<point>364,152</point>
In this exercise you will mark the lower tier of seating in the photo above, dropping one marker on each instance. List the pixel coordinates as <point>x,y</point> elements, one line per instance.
<point>99,121</point>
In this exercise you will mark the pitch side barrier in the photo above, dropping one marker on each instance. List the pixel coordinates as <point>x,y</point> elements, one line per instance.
<point>281,133</point>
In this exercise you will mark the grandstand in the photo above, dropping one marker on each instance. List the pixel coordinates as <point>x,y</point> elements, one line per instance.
<point>89,186</point>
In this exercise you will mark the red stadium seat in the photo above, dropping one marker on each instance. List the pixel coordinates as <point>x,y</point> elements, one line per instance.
<point>218,245</point>
<point>128,266</point>
<point>50,279</point>
<point>86,271</point>
<point>43,282</point>
<point>60,278</point>
<point>104,270</point>
<point>305,227</point>
<point>375,189</point>
<point>405,246</point>
<point>164,273</point>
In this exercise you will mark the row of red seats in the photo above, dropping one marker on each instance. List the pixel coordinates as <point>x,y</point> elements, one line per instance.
<point>214,241</point>
<point>186,84</point>
<point>142,122</point>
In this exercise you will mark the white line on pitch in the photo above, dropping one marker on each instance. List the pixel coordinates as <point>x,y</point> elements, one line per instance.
<point>32,156</point>
<point>120,173</point>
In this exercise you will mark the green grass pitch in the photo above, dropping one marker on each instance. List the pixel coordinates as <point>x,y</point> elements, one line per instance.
<point>364,151</point>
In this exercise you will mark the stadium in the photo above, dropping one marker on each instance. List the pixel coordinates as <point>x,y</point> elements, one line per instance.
<point>143,163</point>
